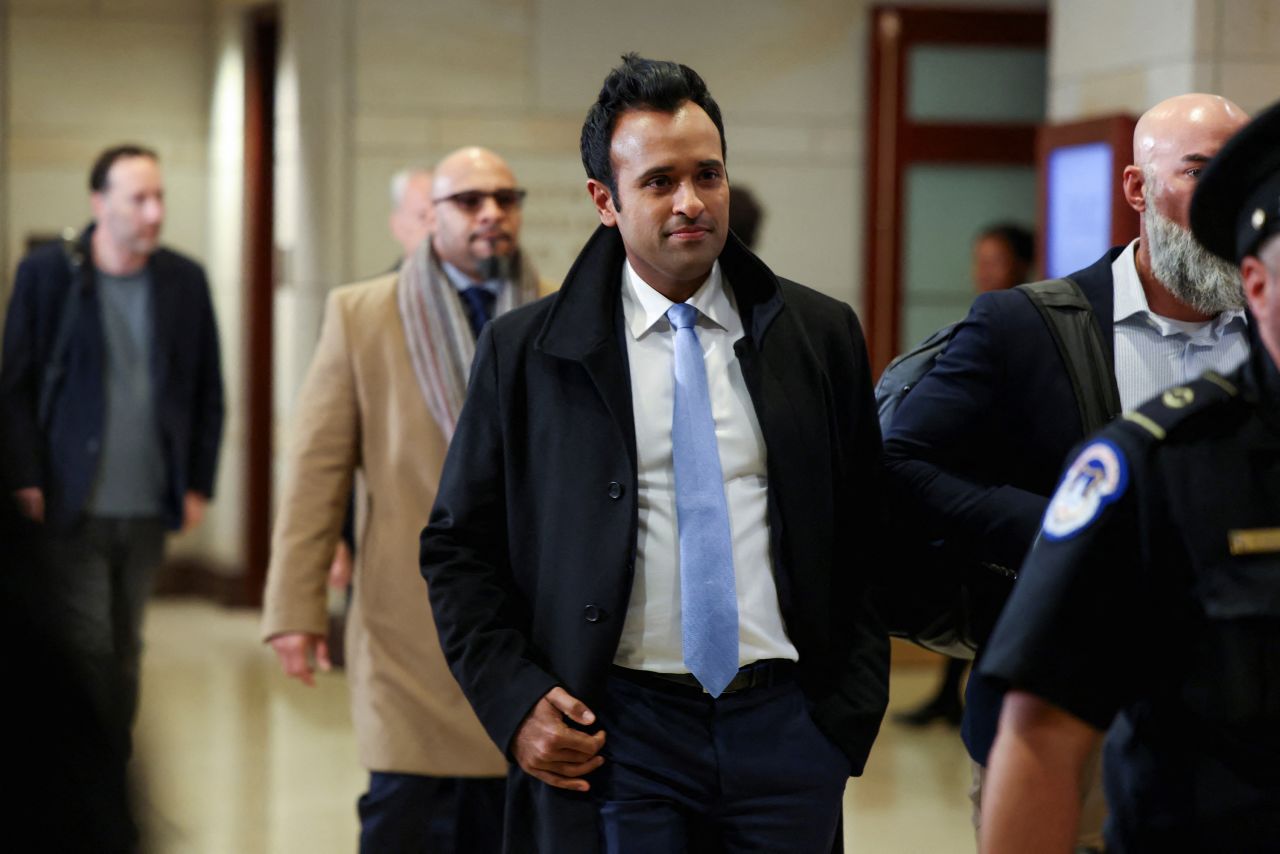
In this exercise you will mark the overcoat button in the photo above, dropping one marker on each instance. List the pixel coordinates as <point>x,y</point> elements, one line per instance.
<point>592,613</point>
<point>615,490</point>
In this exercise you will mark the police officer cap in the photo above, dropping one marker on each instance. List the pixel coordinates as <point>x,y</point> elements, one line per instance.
<point>1237,200</point>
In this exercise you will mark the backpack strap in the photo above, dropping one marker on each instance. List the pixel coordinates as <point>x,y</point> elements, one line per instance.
<point>1070,320</point>
<point>56,368</point>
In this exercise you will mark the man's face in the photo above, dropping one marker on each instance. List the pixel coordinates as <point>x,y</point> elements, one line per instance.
<point>1261,275</point>
<point>995,268</point>
<point>672,208</point>
<point>130,209</point>
<point>411,220</point>
<point>470,223</point>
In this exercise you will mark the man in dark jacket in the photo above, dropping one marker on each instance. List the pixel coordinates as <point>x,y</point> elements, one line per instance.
<point>112,396</point>
<point>1149,608</point>
<point>649,555</point>
<point>978,444</point>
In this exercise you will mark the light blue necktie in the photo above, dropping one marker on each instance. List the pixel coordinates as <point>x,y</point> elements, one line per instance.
<point>708,599</point>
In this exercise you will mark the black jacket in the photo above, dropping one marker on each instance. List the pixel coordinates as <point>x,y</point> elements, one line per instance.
<point>529,554</point>
<point>61,457</point>
<point>979,443</point>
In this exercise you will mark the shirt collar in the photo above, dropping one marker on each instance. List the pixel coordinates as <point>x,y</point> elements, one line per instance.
<point>643,307</point>
<point>1130,299</point>
<point>1131,304</point>
<point>461,281</point>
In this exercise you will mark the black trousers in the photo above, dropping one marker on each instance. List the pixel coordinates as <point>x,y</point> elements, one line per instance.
<point>98,578</point>
<point>416,814</point>
<point>683,772</point>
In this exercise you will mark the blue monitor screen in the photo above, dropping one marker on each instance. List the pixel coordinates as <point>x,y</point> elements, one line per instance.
<point>1080,190</point>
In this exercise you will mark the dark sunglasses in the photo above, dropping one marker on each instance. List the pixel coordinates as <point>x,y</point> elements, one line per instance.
<point>472,200</point>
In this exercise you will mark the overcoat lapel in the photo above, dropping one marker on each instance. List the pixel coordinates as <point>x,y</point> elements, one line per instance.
<point>582,328</point>
<point>777,361</point>
<point>787,385</point>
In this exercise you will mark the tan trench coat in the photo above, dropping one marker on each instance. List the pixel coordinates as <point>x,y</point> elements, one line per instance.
<point>360,407</point>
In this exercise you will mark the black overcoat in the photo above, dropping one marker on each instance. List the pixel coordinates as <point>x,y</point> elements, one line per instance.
<point>530,550</point>
<point>62,456</point>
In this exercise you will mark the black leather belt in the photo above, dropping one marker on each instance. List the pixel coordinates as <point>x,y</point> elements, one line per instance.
<point>761,674</point>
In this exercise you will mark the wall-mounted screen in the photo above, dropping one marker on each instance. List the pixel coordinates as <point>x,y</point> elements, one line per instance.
<point>1080,186</point>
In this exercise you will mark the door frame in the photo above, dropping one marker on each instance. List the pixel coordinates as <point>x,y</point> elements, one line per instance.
<point>895,142</point>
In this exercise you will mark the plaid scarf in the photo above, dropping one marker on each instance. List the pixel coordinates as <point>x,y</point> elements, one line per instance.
<point>441,343</point>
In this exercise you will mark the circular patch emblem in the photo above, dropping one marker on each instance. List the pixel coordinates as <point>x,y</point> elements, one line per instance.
<point>1096,478</point>
<point>1176,398</point>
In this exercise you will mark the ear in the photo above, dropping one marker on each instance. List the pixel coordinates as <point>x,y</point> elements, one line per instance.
<point>96,204</point>
<point>1133,182</point>
<point>1253,273</point>
<point>603,200</point>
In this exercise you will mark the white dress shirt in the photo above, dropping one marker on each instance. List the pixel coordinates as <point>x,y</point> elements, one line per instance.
<point>1155,352</point>
<point>651,632</point>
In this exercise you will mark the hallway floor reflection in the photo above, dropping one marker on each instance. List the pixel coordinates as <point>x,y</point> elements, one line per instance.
<point>232,757</point>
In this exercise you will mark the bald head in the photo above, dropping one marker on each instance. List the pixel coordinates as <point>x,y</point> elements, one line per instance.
<point>476,216</point>
<point>410,218</point>
<point>1184,123</point>
<point>1172,142</point>
<point>461,170</point>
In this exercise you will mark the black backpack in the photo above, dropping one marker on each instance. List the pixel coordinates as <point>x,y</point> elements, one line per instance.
<point>936,599</point>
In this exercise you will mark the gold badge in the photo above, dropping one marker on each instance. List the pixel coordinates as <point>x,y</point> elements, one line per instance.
<point>1252,541</point>
<point>1176,398</point>
<point>1259,219</point>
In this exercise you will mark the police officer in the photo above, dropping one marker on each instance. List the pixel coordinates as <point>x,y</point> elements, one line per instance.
<point>1150,604</point>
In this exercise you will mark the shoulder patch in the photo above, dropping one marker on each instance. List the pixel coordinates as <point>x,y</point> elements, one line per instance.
<point>1098,477</point>
<point>1175,406</point>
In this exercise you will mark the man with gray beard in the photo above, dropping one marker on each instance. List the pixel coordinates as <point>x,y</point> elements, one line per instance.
<point>1194,275</point>
<point>976,448</point>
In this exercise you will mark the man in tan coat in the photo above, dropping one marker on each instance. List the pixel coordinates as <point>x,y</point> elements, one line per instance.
<point>382,395</point>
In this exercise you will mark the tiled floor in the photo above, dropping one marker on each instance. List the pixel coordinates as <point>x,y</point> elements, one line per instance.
<point>234,759</point>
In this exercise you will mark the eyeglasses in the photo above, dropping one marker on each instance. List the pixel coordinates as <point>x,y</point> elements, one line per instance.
<point>472,200</point>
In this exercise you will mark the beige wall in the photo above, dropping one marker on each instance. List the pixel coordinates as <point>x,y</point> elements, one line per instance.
<point>785,76</point>
<point>84,74</point>
<point>789,77</point>
<point>1108,56</point>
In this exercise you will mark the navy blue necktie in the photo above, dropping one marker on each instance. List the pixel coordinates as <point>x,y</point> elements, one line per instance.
<point>479,302</point>
<point>708,594</point>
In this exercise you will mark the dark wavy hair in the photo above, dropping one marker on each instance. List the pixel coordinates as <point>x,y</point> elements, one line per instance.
<point>108,158</point>
<point>639,84</point>
<point>1020,240</point>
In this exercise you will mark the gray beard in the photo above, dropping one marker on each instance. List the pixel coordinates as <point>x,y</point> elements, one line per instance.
<point>1194,275</point>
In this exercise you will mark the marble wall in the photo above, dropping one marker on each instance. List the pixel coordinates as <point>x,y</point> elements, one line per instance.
<point>1108,57</point>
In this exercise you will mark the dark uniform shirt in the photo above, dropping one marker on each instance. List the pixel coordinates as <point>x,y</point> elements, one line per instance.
<point>1150,605</point>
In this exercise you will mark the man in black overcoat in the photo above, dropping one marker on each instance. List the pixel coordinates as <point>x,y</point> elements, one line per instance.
<point>649,555</point>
